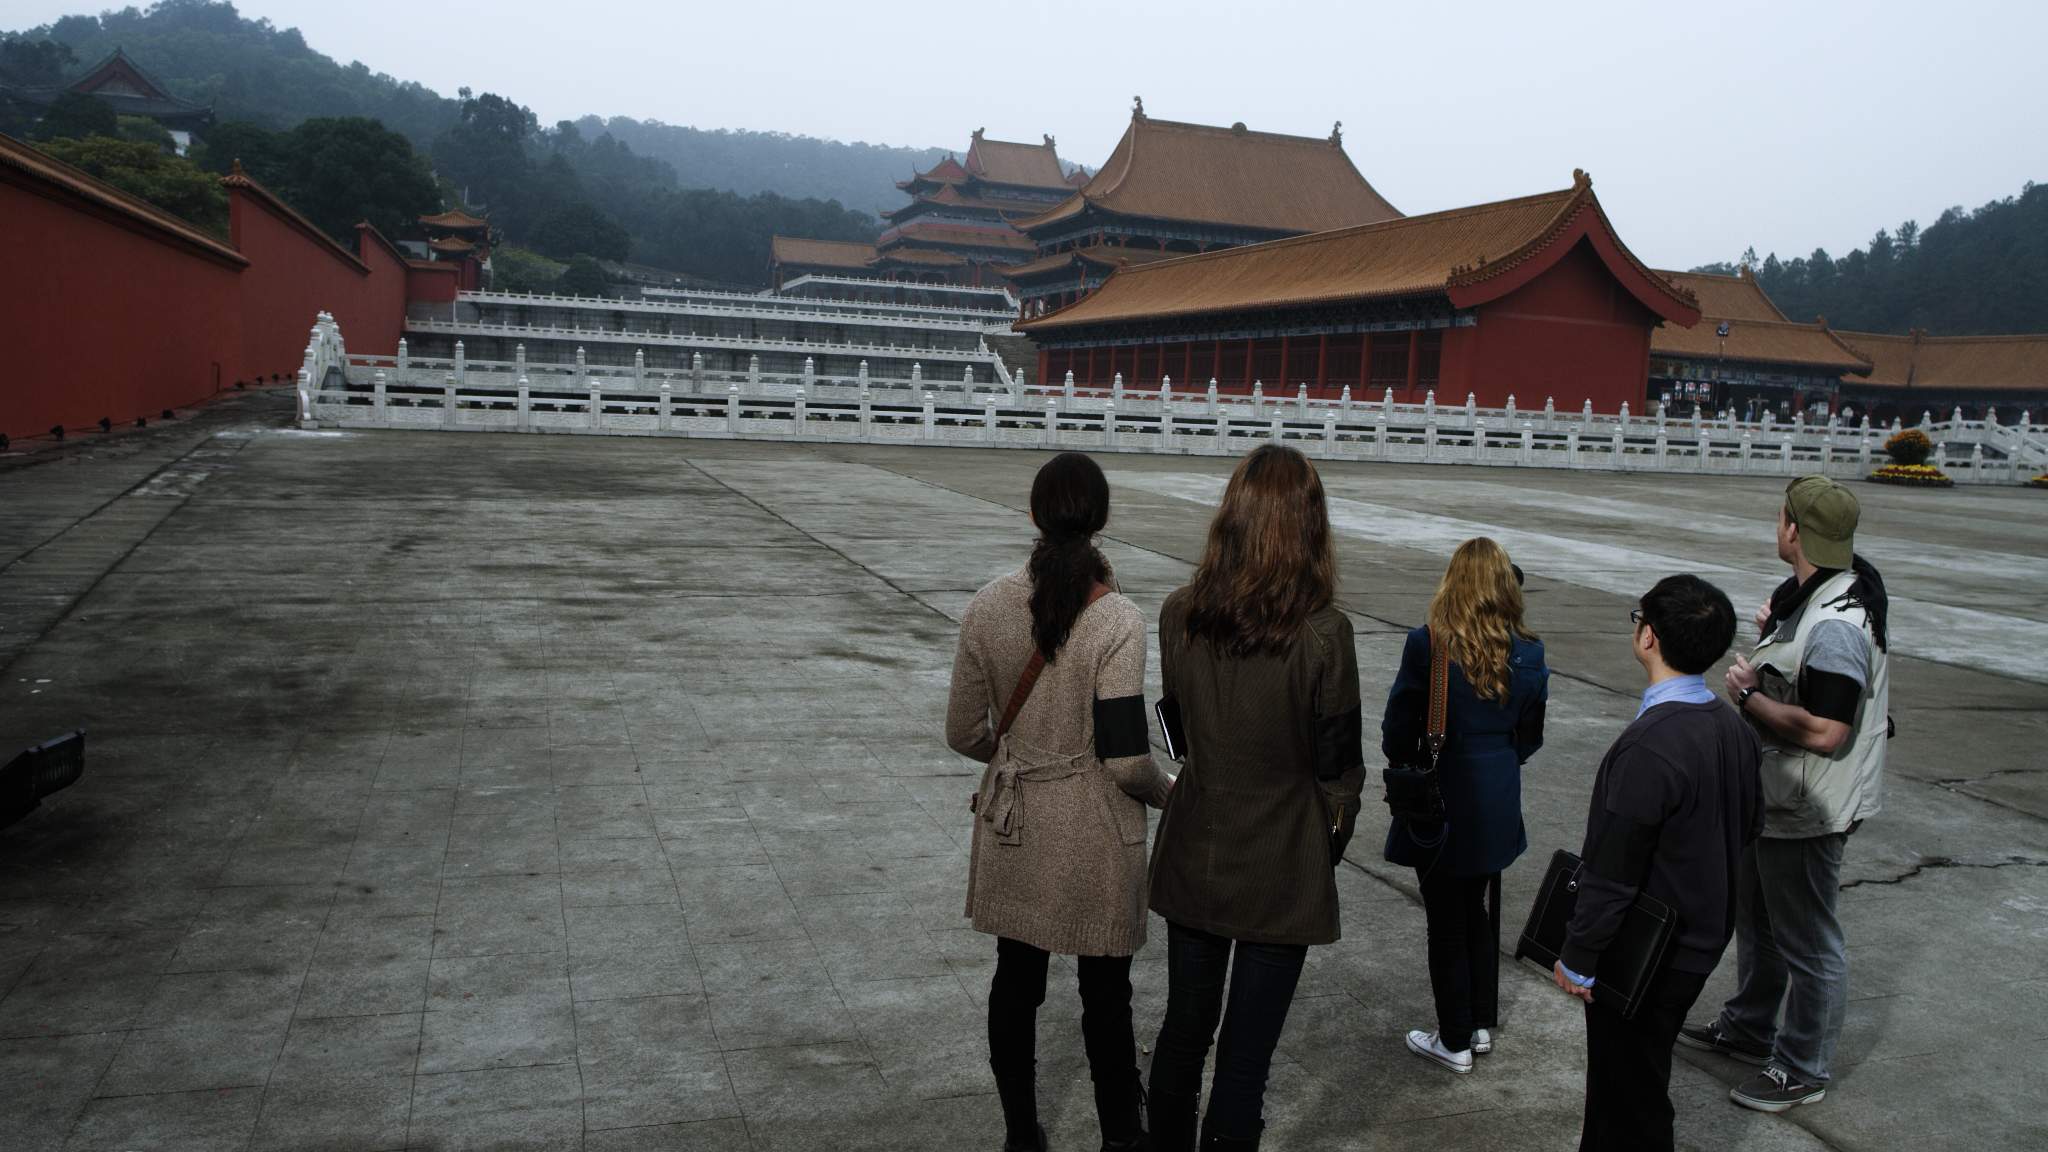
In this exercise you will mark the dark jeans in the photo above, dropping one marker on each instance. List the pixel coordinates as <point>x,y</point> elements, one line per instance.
<point>1464,955</point>
<point>1262,984</point>
<point>1628,1068</point>
<point>1790,953</point>
<point>1019,988</point>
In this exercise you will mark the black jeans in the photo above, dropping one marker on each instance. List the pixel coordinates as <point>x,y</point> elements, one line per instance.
<point>1019,988</point>
<point>1262,984</point>
<point>1464,955</point>
<point>1628,1068</point>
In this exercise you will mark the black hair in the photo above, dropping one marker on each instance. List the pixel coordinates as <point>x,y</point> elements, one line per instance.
<point>1693,620</point>
<point>1070,504</point>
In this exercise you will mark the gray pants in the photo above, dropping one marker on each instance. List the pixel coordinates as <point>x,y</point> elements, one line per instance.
<point>1789,951</point>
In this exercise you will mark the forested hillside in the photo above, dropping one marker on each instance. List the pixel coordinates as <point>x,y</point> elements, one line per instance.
<point>696,201</point>
<point>1970,273</point>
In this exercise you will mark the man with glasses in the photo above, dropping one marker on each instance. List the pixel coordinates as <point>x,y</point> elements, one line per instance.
<point>1817,690</point>
<point>1675,803</point>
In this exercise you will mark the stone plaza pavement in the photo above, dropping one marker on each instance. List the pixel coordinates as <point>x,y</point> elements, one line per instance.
<point>496,792</point>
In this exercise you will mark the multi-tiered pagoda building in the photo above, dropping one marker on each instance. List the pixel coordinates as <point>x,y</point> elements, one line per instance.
<point>958,227</point>
<point>1172,189</point>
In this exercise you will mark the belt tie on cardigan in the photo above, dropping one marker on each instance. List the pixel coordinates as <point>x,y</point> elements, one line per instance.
<point>1001,802</point>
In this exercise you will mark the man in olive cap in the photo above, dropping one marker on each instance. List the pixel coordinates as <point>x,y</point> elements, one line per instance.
<point>1817,690</point>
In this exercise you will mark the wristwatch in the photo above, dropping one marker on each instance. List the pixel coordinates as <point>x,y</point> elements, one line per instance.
<point>1742,698</point>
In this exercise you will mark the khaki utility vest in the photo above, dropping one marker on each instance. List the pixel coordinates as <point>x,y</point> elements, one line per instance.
<point>1807,793</point>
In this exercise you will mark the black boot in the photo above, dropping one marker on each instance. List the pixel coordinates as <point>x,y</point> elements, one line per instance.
<point>1018,1089</point>
<point>1173,1120</point>
<point>1120,1109</point>
<point>1217,1142</point>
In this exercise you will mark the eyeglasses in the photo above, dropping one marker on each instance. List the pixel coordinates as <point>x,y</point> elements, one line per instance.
<point>1635,616</point>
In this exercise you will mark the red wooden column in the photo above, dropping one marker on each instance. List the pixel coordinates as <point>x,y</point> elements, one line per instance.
<point>1414,360</point>
<point>1215,362</point>
<point>1091,365</point>
<point>1187,362</point>
<point>1285,367</point>
<point>1044,362</point>
<point>1250,365</point>
<point>1364,364</point>
<point>1322,363</point>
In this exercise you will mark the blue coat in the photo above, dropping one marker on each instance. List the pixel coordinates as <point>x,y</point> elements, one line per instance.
<point>1481,769</point>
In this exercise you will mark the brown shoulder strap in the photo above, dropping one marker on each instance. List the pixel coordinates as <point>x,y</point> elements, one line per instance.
<point>1439,697</point>
<point>1036,665</point>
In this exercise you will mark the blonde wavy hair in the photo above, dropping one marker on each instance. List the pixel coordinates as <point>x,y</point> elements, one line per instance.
<point>1477,613</point>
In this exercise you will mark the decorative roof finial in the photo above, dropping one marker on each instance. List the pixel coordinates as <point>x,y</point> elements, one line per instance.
<point>235,169</point>
<point>978,132</point>
<point>1337,134</point>
<point>1137,107</point>
<point>1580,179</point>
<point>1048,140</point>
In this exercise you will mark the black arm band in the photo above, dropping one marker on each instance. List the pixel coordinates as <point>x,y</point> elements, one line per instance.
<point>1339,744</point>
<point>1831,695</point>
<point>1120,728</point>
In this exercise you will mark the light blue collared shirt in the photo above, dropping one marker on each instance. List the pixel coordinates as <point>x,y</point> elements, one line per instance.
<point>1684,689</point>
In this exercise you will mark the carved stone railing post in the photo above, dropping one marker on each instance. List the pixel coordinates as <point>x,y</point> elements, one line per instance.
<point>448,408</point>
<point>867,415</point>
<point>404,357</point>
<point>596,403</point>
<point>1429,406</point>
<point>732,408</point>
<point>1166,428</point>
<point>1508,416</point>
<point>930,431</point>
<point>1344,401</point>
<point>916,373</point>
<point>665,415</point>
<point>461,366</point>
<point>810,378</point>
<point>1052,421</point>
<point>1165,392</point>
<point>1616,447</point>
<point>1214,403</point>
<point>988,419</point>
<point>1528,445</point>
<point>1742,452</point>
<point>525,405</point>
<point>1586,414</point>
<point>1663,440</point>
<point>1116,389</point>
<point>1784,458</point>
<point>1258,398</point>
<point>378,410</point>
<point>304,388</point>
<point>1109,422</point>
<point>800,417</point>
<point>1471,410</point>
<point>1624,415</point>
<point>967,379</point>
<point>1549,411</point>
<point>1479,444</point>
<point>1387,406</point>
<point>639,370</point>
<point>1067,389</point>
<point>518,361</point>
<point>1571,448</point>
<point>1301,402</point>
<point>697,372</point>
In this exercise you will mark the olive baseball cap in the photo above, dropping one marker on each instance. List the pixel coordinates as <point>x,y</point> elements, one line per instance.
<point>1826,514</point>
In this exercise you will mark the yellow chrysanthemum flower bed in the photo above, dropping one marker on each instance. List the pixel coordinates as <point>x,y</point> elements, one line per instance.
<point>1912,476</point>
<point>2040,481</point>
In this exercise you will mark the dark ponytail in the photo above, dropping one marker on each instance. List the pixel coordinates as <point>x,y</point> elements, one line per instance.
<point>1070,504</point>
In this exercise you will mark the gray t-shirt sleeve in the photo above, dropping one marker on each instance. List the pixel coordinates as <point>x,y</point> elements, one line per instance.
<point>1838,646</point>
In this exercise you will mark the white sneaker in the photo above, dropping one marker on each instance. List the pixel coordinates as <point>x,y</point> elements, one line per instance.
<point>1482,1041</point>
<point>1430,1047</point>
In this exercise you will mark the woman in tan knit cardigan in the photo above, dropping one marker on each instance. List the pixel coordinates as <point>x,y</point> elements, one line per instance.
<point>1059,837</point>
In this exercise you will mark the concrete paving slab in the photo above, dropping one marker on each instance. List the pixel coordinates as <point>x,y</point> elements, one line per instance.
<point>538,792</point>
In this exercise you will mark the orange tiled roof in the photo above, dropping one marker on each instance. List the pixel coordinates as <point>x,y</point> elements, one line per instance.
<point>1972,363</point>
<point>919,256</point>
<point>951,196</point>
<point>1166,170</point>
<point>820,253</point>
<point>1737,297</point>
<point>45,174</point>
<point>1759,341</point>
<point>947,171</point>
<point>451,244</point>
<point>935,232</point>
<point>1100,255</point>
<point>454,220</point>
<point>1007,162</point>
<point>1468,255</point>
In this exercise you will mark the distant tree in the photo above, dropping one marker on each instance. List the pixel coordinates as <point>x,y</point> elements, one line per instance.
<point>585,277</point>
<point>579,229</point>
<point>346,170</point>
<point>518,270</point>
<point>170,182</point>
<point>143,130</point>
<point>33,63</point>
<point>264,154</point>
<point>75,117</point>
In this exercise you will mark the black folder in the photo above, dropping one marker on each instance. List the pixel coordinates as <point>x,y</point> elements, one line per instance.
<point>1630,962</point>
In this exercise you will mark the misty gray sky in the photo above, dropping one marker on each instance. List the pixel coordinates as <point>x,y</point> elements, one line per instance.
<point>1706,127</point>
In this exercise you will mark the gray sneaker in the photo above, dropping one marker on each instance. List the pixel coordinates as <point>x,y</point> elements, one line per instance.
<point>1775,1090</point>
<point>1710,1038</point>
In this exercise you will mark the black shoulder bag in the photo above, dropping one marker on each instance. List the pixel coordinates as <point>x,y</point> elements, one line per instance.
<point>1412,791</point>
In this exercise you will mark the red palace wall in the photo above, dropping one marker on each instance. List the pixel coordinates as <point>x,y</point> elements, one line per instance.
<point>1572,334</point>
<point>295,272</point>
<point>437,282</point>
<point>107,316</point>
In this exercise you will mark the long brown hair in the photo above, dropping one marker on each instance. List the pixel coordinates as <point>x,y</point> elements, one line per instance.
<point>1477,613</point>
<point>1070,504</point>
<point>1268,564</point>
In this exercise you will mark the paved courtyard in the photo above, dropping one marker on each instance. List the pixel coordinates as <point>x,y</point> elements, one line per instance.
<point>532,792</point>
